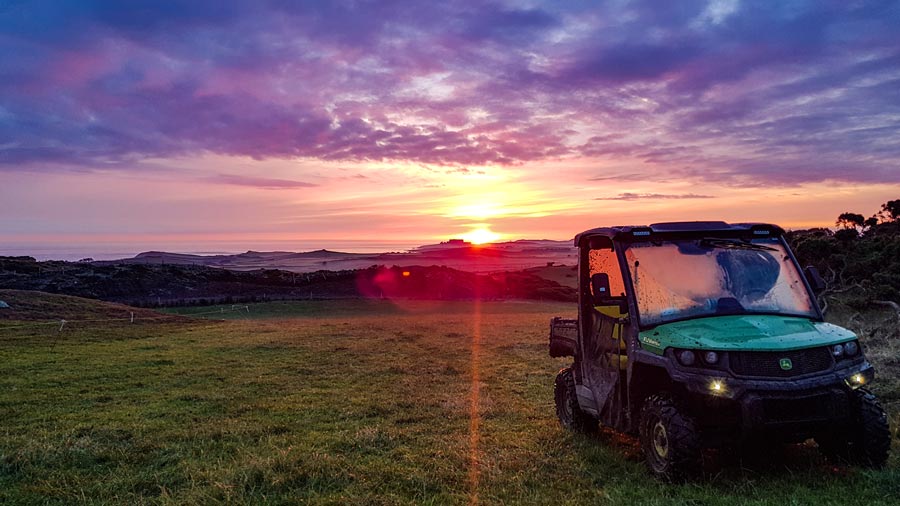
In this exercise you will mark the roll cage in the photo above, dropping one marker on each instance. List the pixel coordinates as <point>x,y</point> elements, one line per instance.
<point>615,238</point>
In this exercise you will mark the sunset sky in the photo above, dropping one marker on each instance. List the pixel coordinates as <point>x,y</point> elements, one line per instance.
<point>223,126</point>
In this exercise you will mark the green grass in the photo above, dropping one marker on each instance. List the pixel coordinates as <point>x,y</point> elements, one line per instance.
<point>357,308</point>
<point>345,402</point>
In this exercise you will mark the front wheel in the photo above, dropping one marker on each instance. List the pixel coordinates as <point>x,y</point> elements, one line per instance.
<point>867,440</point>
<point>669,439</point>
<point>567,409</point>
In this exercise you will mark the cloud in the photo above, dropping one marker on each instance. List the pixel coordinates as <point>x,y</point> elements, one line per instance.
<point>628,62</point>
<point>259,182</point>
<point>720,91</point>
<point>655,196</point>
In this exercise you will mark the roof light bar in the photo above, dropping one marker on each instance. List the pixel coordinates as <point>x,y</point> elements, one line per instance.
<point>762,230</point>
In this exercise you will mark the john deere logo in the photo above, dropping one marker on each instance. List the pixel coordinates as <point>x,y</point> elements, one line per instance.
<point>786,364</point>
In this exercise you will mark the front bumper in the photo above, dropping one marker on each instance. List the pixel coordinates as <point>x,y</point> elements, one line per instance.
<point>704,381</point>
<point>796,407</point>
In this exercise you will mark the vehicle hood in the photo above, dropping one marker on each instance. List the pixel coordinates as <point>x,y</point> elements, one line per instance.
<point>744,332</point>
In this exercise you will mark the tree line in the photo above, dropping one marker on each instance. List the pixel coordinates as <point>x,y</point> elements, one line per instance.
<point>860,259</point>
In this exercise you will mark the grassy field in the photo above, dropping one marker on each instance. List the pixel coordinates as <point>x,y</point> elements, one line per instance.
<point>360,402</point>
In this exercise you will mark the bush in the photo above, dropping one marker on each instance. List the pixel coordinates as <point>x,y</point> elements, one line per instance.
<point>864,265</point>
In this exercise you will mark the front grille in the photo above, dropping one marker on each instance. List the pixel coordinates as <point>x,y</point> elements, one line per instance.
<point>768,364</point>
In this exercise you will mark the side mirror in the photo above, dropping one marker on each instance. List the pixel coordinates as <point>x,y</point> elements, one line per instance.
<point>815,279</point>
<point>600,288</point>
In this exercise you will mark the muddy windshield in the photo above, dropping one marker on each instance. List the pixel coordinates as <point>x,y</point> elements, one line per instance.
<point>675,280</point>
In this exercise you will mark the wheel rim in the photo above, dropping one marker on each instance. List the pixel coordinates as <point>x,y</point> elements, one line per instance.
<point>660,440</point>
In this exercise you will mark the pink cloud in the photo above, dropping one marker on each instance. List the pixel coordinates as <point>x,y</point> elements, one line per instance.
<point>259,182</point>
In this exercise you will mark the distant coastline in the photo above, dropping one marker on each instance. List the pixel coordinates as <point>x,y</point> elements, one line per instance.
<point>114,251</point>
<point>106,252</point>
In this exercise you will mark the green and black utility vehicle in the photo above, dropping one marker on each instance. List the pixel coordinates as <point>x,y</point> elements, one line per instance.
<point>707,334</point>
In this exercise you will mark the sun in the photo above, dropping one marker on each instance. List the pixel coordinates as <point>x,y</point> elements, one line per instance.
<point>481,235</point>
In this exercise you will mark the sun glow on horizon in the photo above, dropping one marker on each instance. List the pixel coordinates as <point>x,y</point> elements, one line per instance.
<point>481,235</point>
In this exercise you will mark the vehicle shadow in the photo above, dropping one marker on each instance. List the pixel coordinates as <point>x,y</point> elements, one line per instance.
<point>768,459</point>
<point>751,460</point>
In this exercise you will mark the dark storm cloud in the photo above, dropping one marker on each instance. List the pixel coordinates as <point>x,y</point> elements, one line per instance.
<point>732,92</point>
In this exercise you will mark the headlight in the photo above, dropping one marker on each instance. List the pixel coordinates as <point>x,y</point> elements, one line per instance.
<point>837,350</point>
<point>711,357</point>
<point>851,348</point>
<point>861,378</point>
<point>687,357</point>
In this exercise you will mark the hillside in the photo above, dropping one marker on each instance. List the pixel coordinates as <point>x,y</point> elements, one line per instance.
<point>514,255</point>
<point>150,284</point>
<point>26,305</point>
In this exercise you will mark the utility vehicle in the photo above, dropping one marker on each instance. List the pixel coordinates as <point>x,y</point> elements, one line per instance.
<point>705,334</point>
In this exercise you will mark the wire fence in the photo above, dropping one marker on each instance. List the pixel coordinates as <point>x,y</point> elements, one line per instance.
<point>132,318</point>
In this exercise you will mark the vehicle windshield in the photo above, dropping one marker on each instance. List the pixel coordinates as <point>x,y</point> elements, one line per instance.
<point>680,279</point>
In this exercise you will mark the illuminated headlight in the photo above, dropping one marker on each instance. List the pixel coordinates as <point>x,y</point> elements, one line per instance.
<point>711,357</point>
<point>687,357</point>
<point>717,386</point>
<point>851,348</point>
<point>859,379</point>
<point>837,350</point>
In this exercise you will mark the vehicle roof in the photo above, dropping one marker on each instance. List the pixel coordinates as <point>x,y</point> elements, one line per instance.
<point>676,228</point>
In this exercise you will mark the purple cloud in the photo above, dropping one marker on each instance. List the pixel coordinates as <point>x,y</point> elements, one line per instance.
<point>733,93</point>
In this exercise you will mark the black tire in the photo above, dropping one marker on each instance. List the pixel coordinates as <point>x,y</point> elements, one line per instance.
<point>669,439</point>
<point>867,440</point>
<point>567,409</point>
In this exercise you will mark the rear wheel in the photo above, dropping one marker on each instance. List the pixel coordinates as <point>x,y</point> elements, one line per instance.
<point>867,440</point>
<point>669,439</point>
<point>567,409</point>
